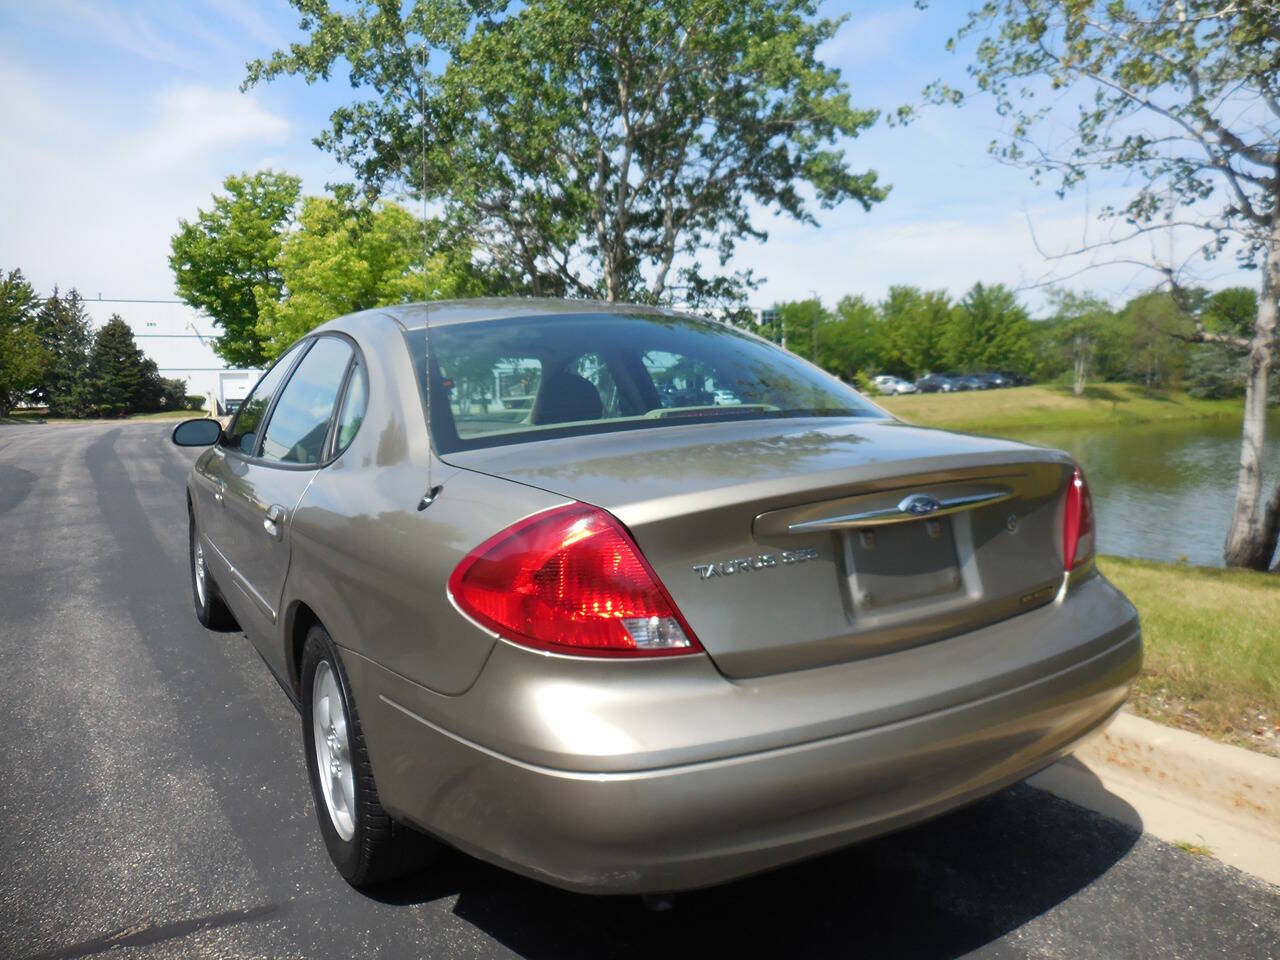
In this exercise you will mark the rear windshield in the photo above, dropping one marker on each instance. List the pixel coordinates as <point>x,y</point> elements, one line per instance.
<point>516,380</point>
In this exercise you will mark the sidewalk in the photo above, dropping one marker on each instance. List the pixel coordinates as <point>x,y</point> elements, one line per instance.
<point>1179,787</point>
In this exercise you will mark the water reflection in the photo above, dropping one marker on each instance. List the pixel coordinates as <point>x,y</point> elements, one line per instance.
<point>1163,492</point>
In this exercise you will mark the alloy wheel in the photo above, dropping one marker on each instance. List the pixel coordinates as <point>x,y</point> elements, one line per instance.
<point>334,768</point>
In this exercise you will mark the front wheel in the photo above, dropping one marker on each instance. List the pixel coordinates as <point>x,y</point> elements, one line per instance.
<point>365,844</point>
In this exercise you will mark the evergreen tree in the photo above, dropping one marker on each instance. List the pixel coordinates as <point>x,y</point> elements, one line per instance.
<point>989,331</point>
<point>124,381</point>
<point>22,358</point>
<point>63,328</point>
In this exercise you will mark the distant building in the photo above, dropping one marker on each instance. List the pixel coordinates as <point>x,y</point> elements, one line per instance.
<point>180,340</point>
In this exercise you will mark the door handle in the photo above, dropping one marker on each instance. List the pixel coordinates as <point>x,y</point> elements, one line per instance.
<point>273,522</point>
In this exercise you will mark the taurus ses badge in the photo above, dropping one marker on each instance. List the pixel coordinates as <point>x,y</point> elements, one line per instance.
<point>919,504</point>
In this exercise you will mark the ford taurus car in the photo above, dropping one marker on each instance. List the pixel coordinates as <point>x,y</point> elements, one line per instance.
<point>537,607</point>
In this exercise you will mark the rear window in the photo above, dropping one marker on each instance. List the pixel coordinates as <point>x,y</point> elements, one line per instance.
<point>516,380</point>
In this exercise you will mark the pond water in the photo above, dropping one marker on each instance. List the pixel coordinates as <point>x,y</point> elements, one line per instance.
<point>1163,492</point>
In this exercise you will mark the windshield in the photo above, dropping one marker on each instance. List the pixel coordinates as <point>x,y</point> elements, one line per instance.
<point>521,379</point>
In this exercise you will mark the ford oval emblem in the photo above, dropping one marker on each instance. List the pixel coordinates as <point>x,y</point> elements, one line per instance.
<point>919,504</point>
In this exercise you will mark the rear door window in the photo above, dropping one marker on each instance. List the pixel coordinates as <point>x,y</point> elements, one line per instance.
<point>299,424</point>
<point>353,406</point>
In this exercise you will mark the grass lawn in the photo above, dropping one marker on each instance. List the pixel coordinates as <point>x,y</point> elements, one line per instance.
<point>1212,648</point>
<point>22,416</point>
<point>166,415</point>
<point>1049,407</point>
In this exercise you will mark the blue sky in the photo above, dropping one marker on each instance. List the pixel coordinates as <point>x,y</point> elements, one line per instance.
<point>121,117</point>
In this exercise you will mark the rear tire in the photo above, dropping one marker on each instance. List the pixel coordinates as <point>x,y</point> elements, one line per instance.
<point>210,610</point>
<point>366,845</point>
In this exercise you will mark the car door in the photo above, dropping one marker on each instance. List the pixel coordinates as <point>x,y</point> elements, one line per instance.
<point>270,481</point>
<point>222,472</point>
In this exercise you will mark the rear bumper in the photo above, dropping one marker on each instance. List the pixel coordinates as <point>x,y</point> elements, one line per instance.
<point>693,824</point>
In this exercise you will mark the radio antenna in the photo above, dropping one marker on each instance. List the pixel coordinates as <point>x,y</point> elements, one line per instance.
<point>432,490</point>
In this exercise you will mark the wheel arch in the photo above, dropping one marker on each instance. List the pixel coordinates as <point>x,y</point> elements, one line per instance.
<point>299,619</point>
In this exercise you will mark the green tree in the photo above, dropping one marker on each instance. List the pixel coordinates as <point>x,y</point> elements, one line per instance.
<point>915,323</point>
<point>989,330</point>
<point>22,357</point>
<point>339,260</point>
<point>1157,357</point>
<point>798,324</point>
<point>1084,326</point>
<point>173,393</point>
<point>1216,374</point>
<point>1213,371</point>
<point>1181,97</point>
<point>852,340</point>
<point>595,147</point>
<point>225,262</point>
<point>123,380</point>
<point>1231,311</point>
<point>63,328</point>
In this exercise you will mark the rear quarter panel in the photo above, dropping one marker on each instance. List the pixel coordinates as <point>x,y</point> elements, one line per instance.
<point>369,564</point>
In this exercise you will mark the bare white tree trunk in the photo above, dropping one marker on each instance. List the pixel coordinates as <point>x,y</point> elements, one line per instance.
<point>1081,364</point>
<point>1251,541</point>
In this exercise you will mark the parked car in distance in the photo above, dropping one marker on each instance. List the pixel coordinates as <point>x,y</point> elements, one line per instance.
<point>1013,379</point>
<point>935,383</point>
<point>967,381</point>
<point>891,385</point>
<point>991,380</point>
<point>622,646</point>
<point>946,383</point>
<point>725,398</point>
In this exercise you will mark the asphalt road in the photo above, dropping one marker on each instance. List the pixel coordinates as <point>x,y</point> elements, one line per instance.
<point>153,798</point>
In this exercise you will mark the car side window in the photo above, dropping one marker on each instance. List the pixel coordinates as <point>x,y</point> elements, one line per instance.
<point>353,405</point>
<point>242,434</point>
<point>299,424</point>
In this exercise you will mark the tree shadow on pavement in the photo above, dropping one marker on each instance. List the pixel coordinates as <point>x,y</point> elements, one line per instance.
<point>938,890</point>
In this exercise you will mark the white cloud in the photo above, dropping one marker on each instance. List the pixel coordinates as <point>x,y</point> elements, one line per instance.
<point>873,37</point>
<point>129,31</point>
<point>102,189</point>
<point>195,120</point>
<point>867,257</point>
<point>250,19</point>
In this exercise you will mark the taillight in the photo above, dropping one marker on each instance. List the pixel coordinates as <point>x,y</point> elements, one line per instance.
<point>1077,524</point>
<point>570,580</point>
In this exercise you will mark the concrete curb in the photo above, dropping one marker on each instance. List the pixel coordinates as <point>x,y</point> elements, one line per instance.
<point>1180,787</point>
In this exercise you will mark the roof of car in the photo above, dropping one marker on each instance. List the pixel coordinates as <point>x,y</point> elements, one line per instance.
<point>442,312</point>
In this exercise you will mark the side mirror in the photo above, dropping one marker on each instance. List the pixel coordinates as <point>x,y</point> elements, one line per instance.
<point>197,433</point>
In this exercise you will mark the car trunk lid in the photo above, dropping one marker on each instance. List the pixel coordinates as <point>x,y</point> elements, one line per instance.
<point>789,544</point>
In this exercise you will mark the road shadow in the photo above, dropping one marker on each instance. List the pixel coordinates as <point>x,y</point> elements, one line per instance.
<point>15,485</point>
<point>939,890</point>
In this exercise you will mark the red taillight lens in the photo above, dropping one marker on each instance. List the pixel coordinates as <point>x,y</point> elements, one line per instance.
<point>570,580</point>
<point>1077,522</point>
